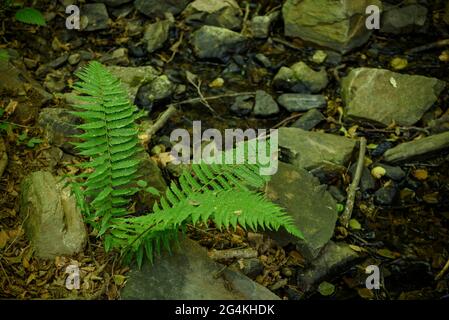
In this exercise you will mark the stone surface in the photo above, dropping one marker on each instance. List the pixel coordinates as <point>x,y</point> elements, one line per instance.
<point>250,267</point>
<point>152,175</point>
<point>52,221</point>
<point>407,19</point>
<point>310,150</point>
<point>157,90</point>
<point>296,102</point>
<point>189,274</point>
<point>243,105</point>
<point>156,34</point>
<point>335,258</point>
<point>341,26</point>
<point>260,25</point>
<point>153,8</point>
<point>385,195</point>
<point>382,96</point>
<point>300,78</point>
<point>220,13</point>
<point>265,105</point>
<point>94,17</point>
<point>419,148</point>
<point>215,42</point>
<point>59,127</point>
<point>134,77</point>
<point>309,120</point>
<point>367,182</point>
<point>3,157</point>
<point>313,209</point>
<point>395,173</point>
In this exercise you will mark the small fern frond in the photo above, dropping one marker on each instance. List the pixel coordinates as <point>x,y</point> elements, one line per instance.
<point>110,140</point>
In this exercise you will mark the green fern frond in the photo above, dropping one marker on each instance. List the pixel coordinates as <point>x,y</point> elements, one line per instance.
<point>30,16</point>
<point>110,140</point>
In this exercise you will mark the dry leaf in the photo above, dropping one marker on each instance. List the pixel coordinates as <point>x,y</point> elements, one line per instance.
<point>421,174</point>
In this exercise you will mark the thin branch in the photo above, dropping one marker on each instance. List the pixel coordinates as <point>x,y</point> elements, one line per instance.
<point>433,45</point>
<point>443,271</point>
<point>346,216</point>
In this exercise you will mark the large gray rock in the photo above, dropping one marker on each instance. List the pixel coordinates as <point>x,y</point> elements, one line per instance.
<point>219,13</point>
<point>310,150</point>
<point>215,42</point>
<point>313,208</point>
<point>418,149</point>
<point>189,274</point>
<point>156,34</point>
<point>59,127</point>
<point>94,17</point>
<point>335,258</point>
<point>52,221</point>
<point>3,157</point>
<point>300,78</point>
<point>152,8</point>
<point>337,24</point>
<point>134,77</point>
<point>407,19</point>
<point>383,96</point>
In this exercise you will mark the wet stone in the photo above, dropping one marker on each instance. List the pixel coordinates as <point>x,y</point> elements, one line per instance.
<point>301,102</point>
<point>309,120</point>
<point>265,105</point>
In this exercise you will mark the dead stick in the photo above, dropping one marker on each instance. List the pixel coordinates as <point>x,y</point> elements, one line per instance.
<point>246,253</point>
<point>443,271</point>
<point>438,44</point>
<point>346,216</point>
<point>172,109</point>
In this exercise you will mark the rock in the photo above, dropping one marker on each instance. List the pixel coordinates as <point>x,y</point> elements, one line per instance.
<point>249,267</point>
<point>55,81</point>
<point>383,96</point>
<point>260,25</point>
<point>312,208</point>
<point>52,221</point>
<point>152,8</point>
<point>156,34</point>
<point>385,195</point>
<point>309,120</point>
<point>381,148</point>
<point>336,24</point>
<point>418,148</point>
<point>319,56</point>
<point>3,157</point>
<point>56,63</point>
<point>114,3</point>
<point>337,193</point>
<point>296,102</point>
<point>189,274</point>
<point>152,175</point>
<point>243,105</point>
<point>215,42</point>
<point>265,105</point>
<point>395,173</point>
<point>367,182</point>
<point>122,11</point>
<point>117,57</point>
<point>94,17</point>
<point>335,258</point>
<point>159,89</point>
<point>300,78</point>
<point>74,58</point>
<point>407,19</point>
<point>59,126</point>
<point>263,60</point>
<point>219,13</point>
<point>309,150</point>
<point>134,77</point>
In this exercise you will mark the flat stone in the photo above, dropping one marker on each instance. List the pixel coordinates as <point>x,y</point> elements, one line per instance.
<point>134,77</point>
<point>152,8</point>
<point>59,126</point>
<point>383,96</point>
<point>94,17</point>
<point>3,157</point>
<point>300,78</point>
<point>243,105</point>
<point>156,34</point>
<point>215,42</point>
<point>265,104</point>
<point>53,223</point>
<point>335,258</point>
<point>309,120</point>
<point>297,102</point>
<point>309,150</point>
<point>336,24</point>
<point>421,148</point>
<point>407,19</point>
<point>312,208</point>
<point>225,14</point>
<point>189,274</point>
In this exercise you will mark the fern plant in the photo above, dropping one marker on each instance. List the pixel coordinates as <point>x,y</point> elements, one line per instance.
<point>220,193</point>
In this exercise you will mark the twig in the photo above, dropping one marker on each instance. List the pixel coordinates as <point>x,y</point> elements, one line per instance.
<point>287,44</point>
<point>438,44</point>
<point>245,19</point>
<point>346,216</point>
<point>172,109</point>
<point>443,271</point>
<point>292,117</point>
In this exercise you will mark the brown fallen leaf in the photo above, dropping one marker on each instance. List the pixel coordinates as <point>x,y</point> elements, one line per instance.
<point>420,174</point>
